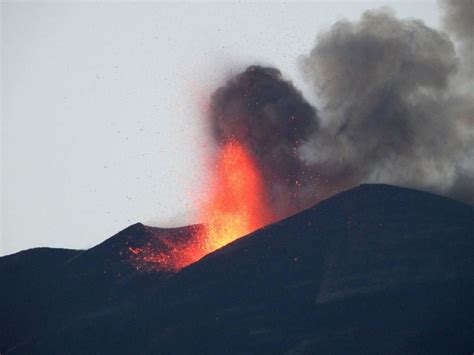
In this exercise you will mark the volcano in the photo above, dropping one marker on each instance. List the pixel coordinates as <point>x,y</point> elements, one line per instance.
<point>375,269</point>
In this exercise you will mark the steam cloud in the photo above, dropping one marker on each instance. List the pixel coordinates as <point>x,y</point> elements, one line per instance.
<point>395,110</point>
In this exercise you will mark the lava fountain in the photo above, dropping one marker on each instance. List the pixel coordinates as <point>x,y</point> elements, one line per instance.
<point>235,206</point>
<point>237,203</point>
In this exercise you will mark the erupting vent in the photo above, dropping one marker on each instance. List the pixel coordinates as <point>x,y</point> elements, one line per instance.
<point>237,205</point>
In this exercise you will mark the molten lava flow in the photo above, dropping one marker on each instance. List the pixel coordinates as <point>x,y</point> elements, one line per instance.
<point>235,207</point>
<point>237,203</point>
<point>167,249</point>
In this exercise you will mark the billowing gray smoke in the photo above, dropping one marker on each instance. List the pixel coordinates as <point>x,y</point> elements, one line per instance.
<point>391,112</point>
<point>385,85</point>
<point>458,20</point>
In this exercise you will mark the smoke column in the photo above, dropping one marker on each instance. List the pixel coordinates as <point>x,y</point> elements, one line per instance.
<point>395,109</point>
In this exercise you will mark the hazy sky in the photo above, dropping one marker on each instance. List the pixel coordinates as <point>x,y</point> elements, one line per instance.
<point>101,105</point>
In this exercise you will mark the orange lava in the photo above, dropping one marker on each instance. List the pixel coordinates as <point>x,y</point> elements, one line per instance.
<point>237,203</point>
<point>235,207</point>
<point>169,249</point>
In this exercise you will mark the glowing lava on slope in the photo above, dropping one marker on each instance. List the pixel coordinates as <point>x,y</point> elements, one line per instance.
<point>236,206</point>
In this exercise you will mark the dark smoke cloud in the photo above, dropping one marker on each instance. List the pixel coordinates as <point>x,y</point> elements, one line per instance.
<point>458,18</point>
<point>270,116</point>
<point>459,21</point>
<point>391,113</point>
<point>458,15</point>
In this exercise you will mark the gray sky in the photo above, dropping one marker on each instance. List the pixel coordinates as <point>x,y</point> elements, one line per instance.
<point>101,105</point>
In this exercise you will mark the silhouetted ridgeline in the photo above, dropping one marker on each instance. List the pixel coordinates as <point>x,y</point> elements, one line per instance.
<point>375,269</point>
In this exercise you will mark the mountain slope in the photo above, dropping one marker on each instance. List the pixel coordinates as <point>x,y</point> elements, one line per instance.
<point>45,289</point>
<point>376,269</point>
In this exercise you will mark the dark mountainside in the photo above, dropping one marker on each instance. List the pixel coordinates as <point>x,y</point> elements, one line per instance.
<point>375,269</point>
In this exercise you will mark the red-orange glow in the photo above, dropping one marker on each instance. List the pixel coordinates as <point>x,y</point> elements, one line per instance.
<point>235,206</point>
<point>167,249</point>
<point>237,202</point>
<point>134,251</point>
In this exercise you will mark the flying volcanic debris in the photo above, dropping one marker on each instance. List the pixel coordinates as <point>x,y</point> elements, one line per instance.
<point>397,108</point>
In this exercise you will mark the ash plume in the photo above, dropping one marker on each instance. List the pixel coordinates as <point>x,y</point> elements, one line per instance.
<point>392,111</point>
<point>272,119</point>
<point>458,21</point>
